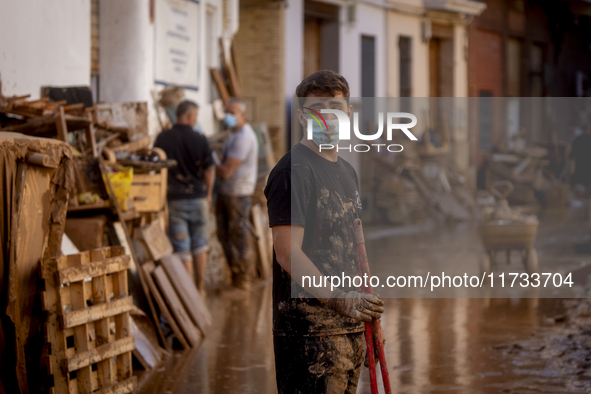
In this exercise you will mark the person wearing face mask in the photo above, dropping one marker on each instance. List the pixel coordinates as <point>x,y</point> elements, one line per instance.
<point>190,186</point>
<point>238,175</point>
<point>312,200</point>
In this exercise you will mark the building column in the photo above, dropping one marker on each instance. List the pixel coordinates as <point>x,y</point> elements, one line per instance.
<point>126,51</point>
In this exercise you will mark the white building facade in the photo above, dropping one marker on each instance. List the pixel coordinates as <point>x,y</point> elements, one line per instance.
<point>50,44</point>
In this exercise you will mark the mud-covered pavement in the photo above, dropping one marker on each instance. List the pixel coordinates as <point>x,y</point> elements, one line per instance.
<point>433,345</point>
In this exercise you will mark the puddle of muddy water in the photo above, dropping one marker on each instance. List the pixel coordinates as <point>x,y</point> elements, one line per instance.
<point>433,345</point>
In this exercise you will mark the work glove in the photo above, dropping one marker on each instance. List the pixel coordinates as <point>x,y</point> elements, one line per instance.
<point>356,305</point>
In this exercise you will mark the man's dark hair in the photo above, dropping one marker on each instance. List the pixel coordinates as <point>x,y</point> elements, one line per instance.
<point>323,81</point>
<point>184,107</point>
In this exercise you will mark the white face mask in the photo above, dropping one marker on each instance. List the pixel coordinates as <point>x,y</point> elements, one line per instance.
<point>322,136</point>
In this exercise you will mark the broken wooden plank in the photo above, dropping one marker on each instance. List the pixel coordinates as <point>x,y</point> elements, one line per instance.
<point>124,387</point>
<point>189,329</point>
<point>188,293</point>
<point>148,268</point>
<point>94,269</point>
<point>156,240</point>
<point>100,353</point>
<point>101,311</point>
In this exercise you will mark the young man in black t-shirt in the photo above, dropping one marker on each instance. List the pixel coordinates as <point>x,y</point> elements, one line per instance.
<point>313,199</point>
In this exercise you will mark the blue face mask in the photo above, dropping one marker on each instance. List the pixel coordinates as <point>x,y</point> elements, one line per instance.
<point>321,136</point>
<point>230,121</point>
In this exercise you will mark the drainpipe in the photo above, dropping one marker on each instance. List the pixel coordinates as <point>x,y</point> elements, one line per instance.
<point>231,15</point>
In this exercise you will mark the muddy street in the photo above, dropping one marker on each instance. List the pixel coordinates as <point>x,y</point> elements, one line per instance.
<point>433,345</point>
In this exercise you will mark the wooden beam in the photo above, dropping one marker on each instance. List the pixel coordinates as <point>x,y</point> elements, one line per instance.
<point>233,83</point>
<point>234,53</point>
<point>60,123</point>
<point>73,107</point>
<point>90,137</point>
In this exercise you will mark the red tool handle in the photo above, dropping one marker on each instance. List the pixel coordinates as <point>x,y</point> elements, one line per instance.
<point>373,381</point>
<point>375,323</point>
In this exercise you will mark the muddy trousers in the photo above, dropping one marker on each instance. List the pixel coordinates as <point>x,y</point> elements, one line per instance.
<point>233,214</point>
<point>320,365</point>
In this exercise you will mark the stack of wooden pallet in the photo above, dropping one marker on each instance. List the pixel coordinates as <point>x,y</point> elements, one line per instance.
<point>88,326</point>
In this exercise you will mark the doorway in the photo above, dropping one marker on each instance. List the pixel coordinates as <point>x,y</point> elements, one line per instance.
<point>321,37</point>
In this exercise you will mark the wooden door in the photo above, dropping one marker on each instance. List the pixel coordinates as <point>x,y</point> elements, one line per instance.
<point>434,66</point>
<point>311,45</point>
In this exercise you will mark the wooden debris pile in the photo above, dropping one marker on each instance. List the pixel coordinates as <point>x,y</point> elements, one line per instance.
<point>106,139</point>
<point>528,169</point>
<point>117,131</point>
<point>417,185</point>
<point>43,118</point>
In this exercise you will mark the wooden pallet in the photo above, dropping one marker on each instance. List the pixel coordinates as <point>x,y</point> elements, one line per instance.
<point>88,304</point>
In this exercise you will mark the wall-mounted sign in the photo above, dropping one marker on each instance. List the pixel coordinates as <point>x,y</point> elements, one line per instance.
<point>177,43</point>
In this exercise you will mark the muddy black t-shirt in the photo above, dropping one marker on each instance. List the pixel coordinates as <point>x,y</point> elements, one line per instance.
<point>307,190</point>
